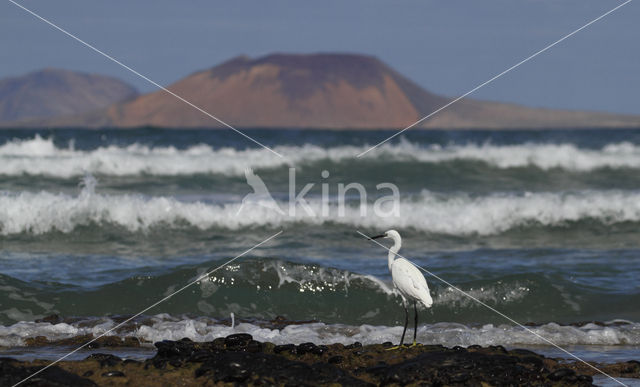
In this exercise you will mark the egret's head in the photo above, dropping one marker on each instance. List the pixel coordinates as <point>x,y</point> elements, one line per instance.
<point>391,234</point>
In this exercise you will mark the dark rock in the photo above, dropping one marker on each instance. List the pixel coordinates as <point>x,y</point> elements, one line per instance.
<point>174,349</point>
<point>520,351</point>
<point>249,362</point>
<point>533,359</point>
<point>335,359</point>
<point>285,347</point>
<point>114,374</point>
<point>105,359</point>
<point>237,340</point>
<point>53,376</point>
<point>200,356</point>
<point>254,346</point>
<point>585,379</point>
<point>238,367</point>
<point>357,344</point>
<point>218,342</point>
<point>456,367</point>
<point>309,348</point>
<point>560,374</point>
<point>159,363</point>
<point>459,377</point>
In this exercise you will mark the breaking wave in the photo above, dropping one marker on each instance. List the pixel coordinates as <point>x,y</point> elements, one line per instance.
<point>167,327</point>
<point>264,288</point>
<point>449,214</point>
<point>40,156</point>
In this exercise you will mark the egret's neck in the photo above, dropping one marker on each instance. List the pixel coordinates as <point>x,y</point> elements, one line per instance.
<point>393,251</point>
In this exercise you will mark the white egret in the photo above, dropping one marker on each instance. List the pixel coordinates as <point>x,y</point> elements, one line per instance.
<point>408,280</point>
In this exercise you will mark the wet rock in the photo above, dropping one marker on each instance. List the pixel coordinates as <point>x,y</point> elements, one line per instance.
<point>105,359</point>
<point>560,374</point>
<point>291,348</point>
<point>254,346</point>
<point>310,348</point>
<point>240,360</point>
<point>239,367</point>
<point>174,349</point>
<point>459,377</point>
<point>12,372</point>
<point>520,351</point>
<point>355,345</point>
<point>238,340</point>
<point>114,374</point>
<point>335,359</point>
<point>200,356</point>
<point>632,366</point>
<point>459,368</point>
<point>585,379</point>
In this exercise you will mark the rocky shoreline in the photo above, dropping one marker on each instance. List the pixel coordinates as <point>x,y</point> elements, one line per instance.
<point>238,359</point>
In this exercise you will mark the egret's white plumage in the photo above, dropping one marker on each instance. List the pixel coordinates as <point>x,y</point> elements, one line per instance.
<point>408,279</point>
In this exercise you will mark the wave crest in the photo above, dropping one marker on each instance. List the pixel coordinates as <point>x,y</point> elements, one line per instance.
<point>449,214</point>
<point>40,156</point>
<point>167,327</point>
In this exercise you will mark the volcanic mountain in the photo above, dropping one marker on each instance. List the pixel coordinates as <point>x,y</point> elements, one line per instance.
<point>54,93</point>
<point>321,91</point>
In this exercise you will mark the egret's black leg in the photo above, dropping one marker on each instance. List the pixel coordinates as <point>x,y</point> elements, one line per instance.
<point>406,323</point>
<point>415,323</point>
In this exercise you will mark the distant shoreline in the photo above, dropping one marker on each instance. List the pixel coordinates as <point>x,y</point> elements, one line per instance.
<point>313,91</point>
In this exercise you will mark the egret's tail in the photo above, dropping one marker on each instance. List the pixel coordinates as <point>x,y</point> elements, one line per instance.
<point>427,300</point>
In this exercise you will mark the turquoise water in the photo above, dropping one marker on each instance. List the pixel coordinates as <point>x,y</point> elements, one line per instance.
<point>541,225</point>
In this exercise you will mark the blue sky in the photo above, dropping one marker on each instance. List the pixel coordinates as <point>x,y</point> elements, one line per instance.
<point>447,47</point>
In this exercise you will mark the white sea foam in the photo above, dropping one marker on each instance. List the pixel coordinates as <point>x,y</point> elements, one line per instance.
<point>165,327</point>
<point>458,214</point>
<point>40,156</point>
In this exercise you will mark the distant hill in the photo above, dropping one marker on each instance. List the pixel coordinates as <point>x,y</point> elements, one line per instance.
<point>321,91</point>
<point>54,93</point>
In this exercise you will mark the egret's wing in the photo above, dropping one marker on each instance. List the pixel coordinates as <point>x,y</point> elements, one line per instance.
<point>409,279</point>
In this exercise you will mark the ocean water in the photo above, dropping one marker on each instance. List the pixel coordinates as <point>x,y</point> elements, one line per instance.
<point>540,225</point>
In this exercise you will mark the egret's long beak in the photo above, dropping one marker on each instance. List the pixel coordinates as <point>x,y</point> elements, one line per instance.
<point>378,236</point>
